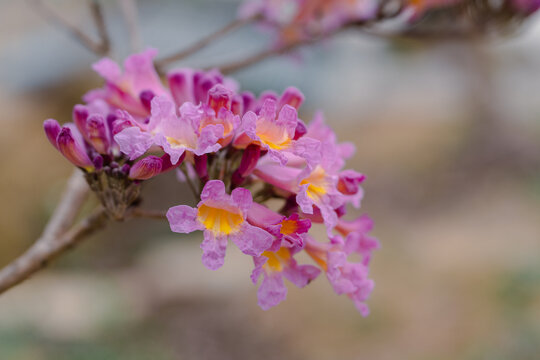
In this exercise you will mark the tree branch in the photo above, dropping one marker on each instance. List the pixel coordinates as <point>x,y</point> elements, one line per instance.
<point>263,55</point>
<point>100,48</point>
<point>130,14</point>
<point>47,248</point>
<point>71,202</point>
<point>199,45</point>
<point>148,214</point>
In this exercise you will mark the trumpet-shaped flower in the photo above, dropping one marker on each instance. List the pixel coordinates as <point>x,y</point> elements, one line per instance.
<point>222,217</point>
<point>274,266</point>
<point>129,90</point>
<point>276,134</point>
<point>344,276</point>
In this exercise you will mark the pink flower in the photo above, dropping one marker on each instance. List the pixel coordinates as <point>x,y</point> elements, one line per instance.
<point>275,133</point>
<point>222,217</point>
<point>174,133</point>
<point>274,266</point>
<point>315,188</point>
<point>345,277</point>
<point>130,89</point>
<point>288,231</point>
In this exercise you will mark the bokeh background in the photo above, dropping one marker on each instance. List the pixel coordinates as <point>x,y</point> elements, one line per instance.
<point>448,134</point>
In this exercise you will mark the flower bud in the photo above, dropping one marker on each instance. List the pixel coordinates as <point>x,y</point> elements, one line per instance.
<point>249,159</point>
<point>146,168</point>
<point>98,162</point>
<point>201,167</point>
<point>52,129</point>
<point>349,180</point>
<point>96,131</point>
<point>146,97</point>
<point>73,149</point>
<point>291,96</point>
<point>80,115</point>
<point>219,97</point>
<point>300,130</point>
<point>237,105</point>
<point>181,87</point>
<point>248,100</point>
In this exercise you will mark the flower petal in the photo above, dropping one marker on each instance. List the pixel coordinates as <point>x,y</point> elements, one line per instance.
<point>183,219</point>
<point>213,250</point>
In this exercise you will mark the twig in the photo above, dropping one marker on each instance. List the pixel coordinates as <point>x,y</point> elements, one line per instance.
<point>315,37</point>
<point>199,45</point>
<point>46,249</point>
<point>71,202</point>
<point>99,20</point>
<point>130,14</point>
<point>148,214</point>
<point>263,55</point>
<point>99,48</point>
<point>190,183</point>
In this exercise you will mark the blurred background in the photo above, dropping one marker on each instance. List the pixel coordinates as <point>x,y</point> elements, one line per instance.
<point>448,134</point>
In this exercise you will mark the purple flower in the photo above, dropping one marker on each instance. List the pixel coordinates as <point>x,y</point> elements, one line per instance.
<point>274,266</point>
<point>275,133</point>
<point>146,168</point>
<point>70,143</point>
<point>123,89</point>
<point>222,217</point>
<point>345,277</point>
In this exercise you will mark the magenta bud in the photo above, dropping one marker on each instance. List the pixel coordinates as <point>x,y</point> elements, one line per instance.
<point>237,105</point>
<point>300,130</point>
<point>202,89</point>
<point>96,132</point>
<point>125,168</point>
<point>73,149</point>
<point>181,87</point>
<point>200,165</point>
<point>219,97</point>
<point>146,97</point>
<point>168,165</point>
<point>52,129</point>
<point>291,96</point>
<point>80,115</point>
<point>248,100</point>
<point>98,162</point>
<point>237,179</point>
<point>119,125</point>
<point>342,210</point>
<point>349,181</point>
<point>249,159</point>
<point>146,168</point>
<point>111,118</point>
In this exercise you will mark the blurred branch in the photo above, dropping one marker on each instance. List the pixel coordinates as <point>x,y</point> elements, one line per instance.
<point>199,45</point>
<point>100,47</point>
<point>55,240</point>
<point>130,14</point>
<point>263,55</point>
<point>308,40</point>
<point>148,214</point>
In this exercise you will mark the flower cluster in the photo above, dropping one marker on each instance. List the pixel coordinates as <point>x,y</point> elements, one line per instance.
<point>264,178</point>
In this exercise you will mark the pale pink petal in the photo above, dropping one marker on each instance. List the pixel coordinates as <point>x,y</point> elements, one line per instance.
<point>214,249</point>
<point>133,142</point>
<point>213,190</point>
<point>183,219</point>
<point>242,198</point>
<point>252,240</point>
<point>272,291</point>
